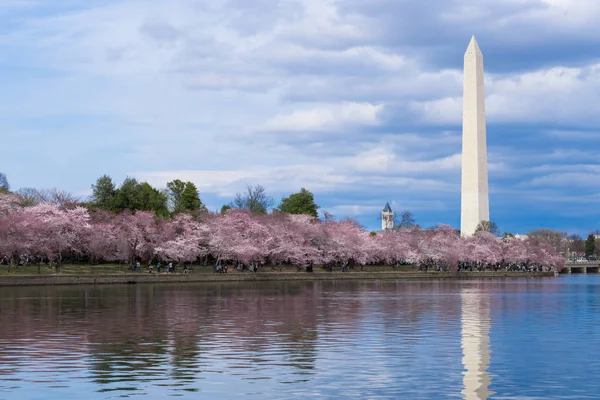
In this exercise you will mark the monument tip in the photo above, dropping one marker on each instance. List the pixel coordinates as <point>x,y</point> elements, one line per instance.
<point>473,46</point>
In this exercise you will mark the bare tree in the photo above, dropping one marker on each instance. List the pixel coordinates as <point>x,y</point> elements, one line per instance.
<point>254,199</point>
<point>577,244</point>
<point>4,186</point>
<point>62,198</point>
<point>558,240</point>
<point>32,196</point>
<point>404,220</point>
<point>487,226</point>
<point>326,216</point>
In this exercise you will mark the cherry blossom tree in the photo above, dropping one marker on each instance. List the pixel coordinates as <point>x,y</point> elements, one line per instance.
<point>59,231</point>
<point>9,203</point>
<point>56,232</point>
<point>187,240</point>
<point>141,233</point>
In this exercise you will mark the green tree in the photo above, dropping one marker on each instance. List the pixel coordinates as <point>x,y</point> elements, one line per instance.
<point>302,202</point>
<point>126,196</point>
<point>191,198</point>
<point>184,196</point>
<point>151,199</point>
<point>103,193</point>
<point>133,196</point>
<point>590,245</point>
<point>175,189</point>
<point>487,226</point>
<point>225,208</point>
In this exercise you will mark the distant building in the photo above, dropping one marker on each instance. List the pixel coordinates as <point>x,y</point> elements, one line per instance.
<point>387,218</point>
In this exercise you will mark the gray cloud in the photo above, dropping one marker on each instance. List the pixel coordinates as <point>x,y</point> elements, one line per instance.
<point>234,92</point>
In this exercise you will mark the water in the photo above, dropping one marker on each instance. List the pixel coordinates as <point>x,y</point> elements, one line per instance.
<point>526,339</point>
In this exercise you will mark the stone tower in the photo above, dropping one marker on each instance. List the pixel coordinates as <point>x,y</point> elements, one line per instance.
<point>387,218</point>
<point>474,206</point>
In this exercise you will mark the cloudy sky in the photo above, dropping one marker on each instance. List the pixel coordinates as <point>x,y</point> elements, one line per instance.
<point>358,101</point>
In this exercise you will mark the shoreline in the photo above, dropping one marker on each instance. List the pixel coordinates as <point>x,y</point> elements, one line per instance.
<point>105,279</point>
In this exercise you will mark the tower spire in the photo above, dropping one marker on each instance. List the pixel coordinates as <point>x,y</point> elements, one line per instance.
<point>387,218</point>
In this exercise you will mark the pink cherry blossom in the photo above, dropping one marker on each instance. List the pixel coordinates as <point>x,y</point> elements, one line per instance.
<point>46,230</point>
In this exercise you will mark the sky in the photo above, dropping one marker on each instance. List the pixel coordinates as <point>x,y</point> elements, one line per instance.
<point>358,101</point>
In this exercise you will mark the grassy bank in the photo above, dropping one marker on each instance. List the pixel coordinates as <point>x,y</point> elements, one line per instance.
<point>122,269</point>
<point>86,275</point>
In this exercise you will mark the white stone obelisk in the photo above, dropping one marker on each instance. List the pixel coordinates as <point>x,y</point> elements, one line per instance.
<point>474,192</point>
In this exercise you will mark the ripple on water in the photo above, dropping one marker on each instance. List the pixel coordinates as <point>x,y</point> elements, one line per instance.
<point>384,340</point>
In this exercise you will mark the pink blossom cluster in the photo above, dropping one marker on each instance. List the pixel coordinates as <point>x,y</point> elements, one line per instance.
<point>48,231</point>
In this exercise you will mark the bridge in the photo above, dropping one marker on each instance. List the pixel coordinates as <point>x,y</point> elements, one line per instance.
<point>587,267</point>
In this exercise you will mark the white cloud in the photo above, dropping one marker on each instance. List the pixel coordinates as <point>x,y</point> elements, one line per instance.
<point>572,180</point>
<point>201,90</point>
<point>557,94</point>
<point>325,117</point>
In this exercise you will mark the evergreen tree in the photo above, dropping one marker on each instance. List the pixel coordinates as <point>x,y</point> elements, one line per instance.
<point>590,245</point>
<point>190,199</point>
<point>103,193</point>
<point>302,202</point>
<point>133,196</point>
<point>184,196</point>
<point>151,199</point>
<point>126,196</point>
<point>225,208</point>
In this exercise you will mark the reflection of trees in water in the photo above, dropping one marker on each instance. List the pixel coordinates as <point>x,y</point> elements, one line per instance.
<point>128,331</point>
<point>125,361</point>
<point>176,332</point>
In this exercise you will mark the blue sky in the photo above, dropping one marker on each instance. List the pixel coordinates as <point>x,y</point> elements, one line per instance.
<point>357,101</point>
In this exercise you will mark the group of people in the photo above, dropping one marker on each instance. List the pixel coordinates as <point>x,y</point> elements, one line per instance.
<point>169,268</point>
<point>24,260</point>
<point>219,269</point>
<point>239,267</point>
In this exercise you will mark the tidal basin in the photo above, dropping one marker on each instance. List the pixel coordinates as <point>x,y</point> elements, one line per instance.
<point>506,338</point>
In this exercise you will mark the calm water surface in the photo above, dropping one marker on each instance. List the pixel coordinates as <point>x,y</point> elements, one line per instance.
<point>526,339</point>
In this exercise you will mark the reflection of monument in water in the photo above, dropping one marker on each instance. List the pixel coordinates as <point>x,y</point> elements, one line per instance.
<point>475,343</point>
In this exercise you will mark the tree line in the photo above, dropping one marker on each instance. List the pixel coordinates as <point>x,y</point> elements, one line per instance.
<point>135,220</point>
<point>47,232</point>
<point>177,197</point>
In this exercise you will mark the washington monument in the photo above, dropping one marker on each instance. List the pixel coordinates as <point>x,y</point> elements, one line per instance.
<point>474,206</point>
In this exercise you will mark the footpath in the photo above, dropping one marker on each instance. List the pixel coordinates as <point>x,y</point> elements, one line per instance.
<point>135,278</point>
